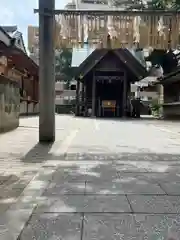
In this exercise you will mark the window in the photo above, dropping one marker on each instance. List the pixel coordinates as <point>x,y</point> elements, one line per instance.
<point>95,1</point>
<point>73,87</point>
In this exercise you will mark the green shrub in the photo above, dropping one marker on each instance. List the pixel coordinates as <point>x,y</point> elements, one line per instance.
<point>155,107</point>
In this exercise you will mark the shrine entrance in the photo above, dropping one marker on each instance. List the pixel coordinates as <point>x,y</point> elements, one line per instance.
<point>109,93</point>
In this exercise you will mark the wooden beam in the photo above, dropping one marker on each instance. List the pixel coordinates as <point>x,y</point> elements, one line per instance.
<point>103,12</point>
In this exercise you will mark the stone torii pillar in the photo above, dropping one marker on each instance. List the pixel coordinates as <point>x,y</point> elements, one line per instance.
<point>77,97</point>
<point>46,71</point>
<point>94,95</point>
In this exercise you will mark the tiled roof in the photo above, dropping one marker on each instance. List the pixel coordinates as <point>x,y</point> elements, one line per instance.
<point>10,29</point>
<point>133,65</point>
<point>4,37</point>
<point>13,33</point>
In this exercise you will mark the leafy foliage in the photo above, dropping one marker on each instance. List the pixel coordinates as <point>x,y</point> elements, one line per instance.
<point>155,107</point>
<point>164,4</point>
<point>63,65</point>
<point>154,4</point>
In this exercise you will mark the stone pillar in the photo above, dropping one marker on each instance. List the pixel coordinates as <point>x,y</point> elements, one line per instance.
<point>161,100</point>
<point>77,97</point>
<point>85,99</point>
<point>93,96</point>
<point>46,71</point>
<point>83,89</point>
<point>124,97</point>
<point>82,99</point>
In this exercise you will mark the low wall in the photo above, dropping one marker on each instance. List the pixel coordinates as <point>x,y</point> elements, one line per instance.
<point>28,108</point>
<point>9,104</point>
<point>171,110</point>
<point>64,109</point>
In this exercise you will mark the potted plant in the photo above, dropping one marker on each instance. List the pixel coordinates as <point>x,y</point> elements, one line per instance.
<point>156,108</point>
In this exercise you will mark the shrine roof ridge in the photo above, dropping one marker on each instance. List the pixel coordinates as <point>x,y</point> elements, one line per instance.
<point>124,55</point>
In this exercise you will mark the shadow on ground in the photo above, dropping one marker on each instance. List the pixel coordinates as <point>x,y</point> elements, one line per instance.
<point>109,173</point>
<point>136,195</point>
<point>102,192</point>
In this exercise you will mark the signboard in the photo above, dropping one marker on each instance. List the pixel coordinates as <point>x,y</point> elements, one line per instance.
<point>14,75</point>
<point>3,61</point>
<point>108,104</point>
<point>3,64</point>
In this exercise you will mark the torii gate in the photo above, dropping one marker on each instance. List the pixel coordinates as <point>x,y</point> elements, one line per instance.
<point>158,29</point>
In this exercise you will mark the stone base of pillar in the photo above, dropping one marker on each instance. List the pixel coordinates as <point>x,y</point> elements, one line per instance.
<point>46,140</point>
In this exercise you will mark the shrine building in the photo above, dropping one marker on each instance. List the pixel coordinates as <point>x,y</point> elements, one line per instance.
<point>104,79</point>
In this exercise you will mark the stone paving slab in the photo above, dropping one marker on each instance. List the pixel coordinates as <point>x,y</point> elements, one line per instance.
<point>113,169</point>
<point>148,157</point>
<point>148,166</point>
<point>4,178</point>
<point>53,226</point>
<point>129,167</point>
<point>12,223</point>
<point>103,203</point>
<point>19,184</point>
<point>136,227</point>
<point>69,188</point>
<point>70,174</point>
<point>172,188</point>
<point>92,173</point>
<point>151,177</point>
<point>61,177</point>
<point>119,187</point>
<point>83,204</point>
<point>5,204</point>
<point>154,204</point>
<point>164,169</point>
<point>10,193</point>
<point>106,173</point>
<point>14,218</point>
<point>146,162</point>
<point>85,156</point>
<point>61,204</point>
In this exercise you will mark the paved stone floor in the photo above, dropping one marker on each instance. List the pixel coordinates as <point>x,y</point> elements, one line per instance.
<point>101,179</point>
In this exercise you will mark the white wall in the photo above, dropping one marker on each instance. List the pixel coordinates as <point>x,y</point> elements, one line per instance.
<point>59,86</point>
<point>65,95</point>
<point>144,95</point>
<point>9,106</point>
<point>34,57</point>
<point>90,6</point>
<point>80,5</point>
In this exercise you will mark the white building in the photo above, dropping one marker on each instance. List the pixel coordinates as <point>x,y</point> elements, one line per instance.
<point>33,43</point>
<point>92,4</point>
<point>64,96</point>
<point>145,95</point>
<point>100,4</point>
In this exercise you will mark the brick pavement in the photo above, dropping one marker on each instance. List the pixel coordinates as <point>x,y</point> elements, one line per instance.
<point>101,179</point>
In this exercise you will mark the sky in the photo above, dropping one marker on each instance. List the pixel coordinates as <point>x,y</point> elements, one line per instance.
<point>21,13</point>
